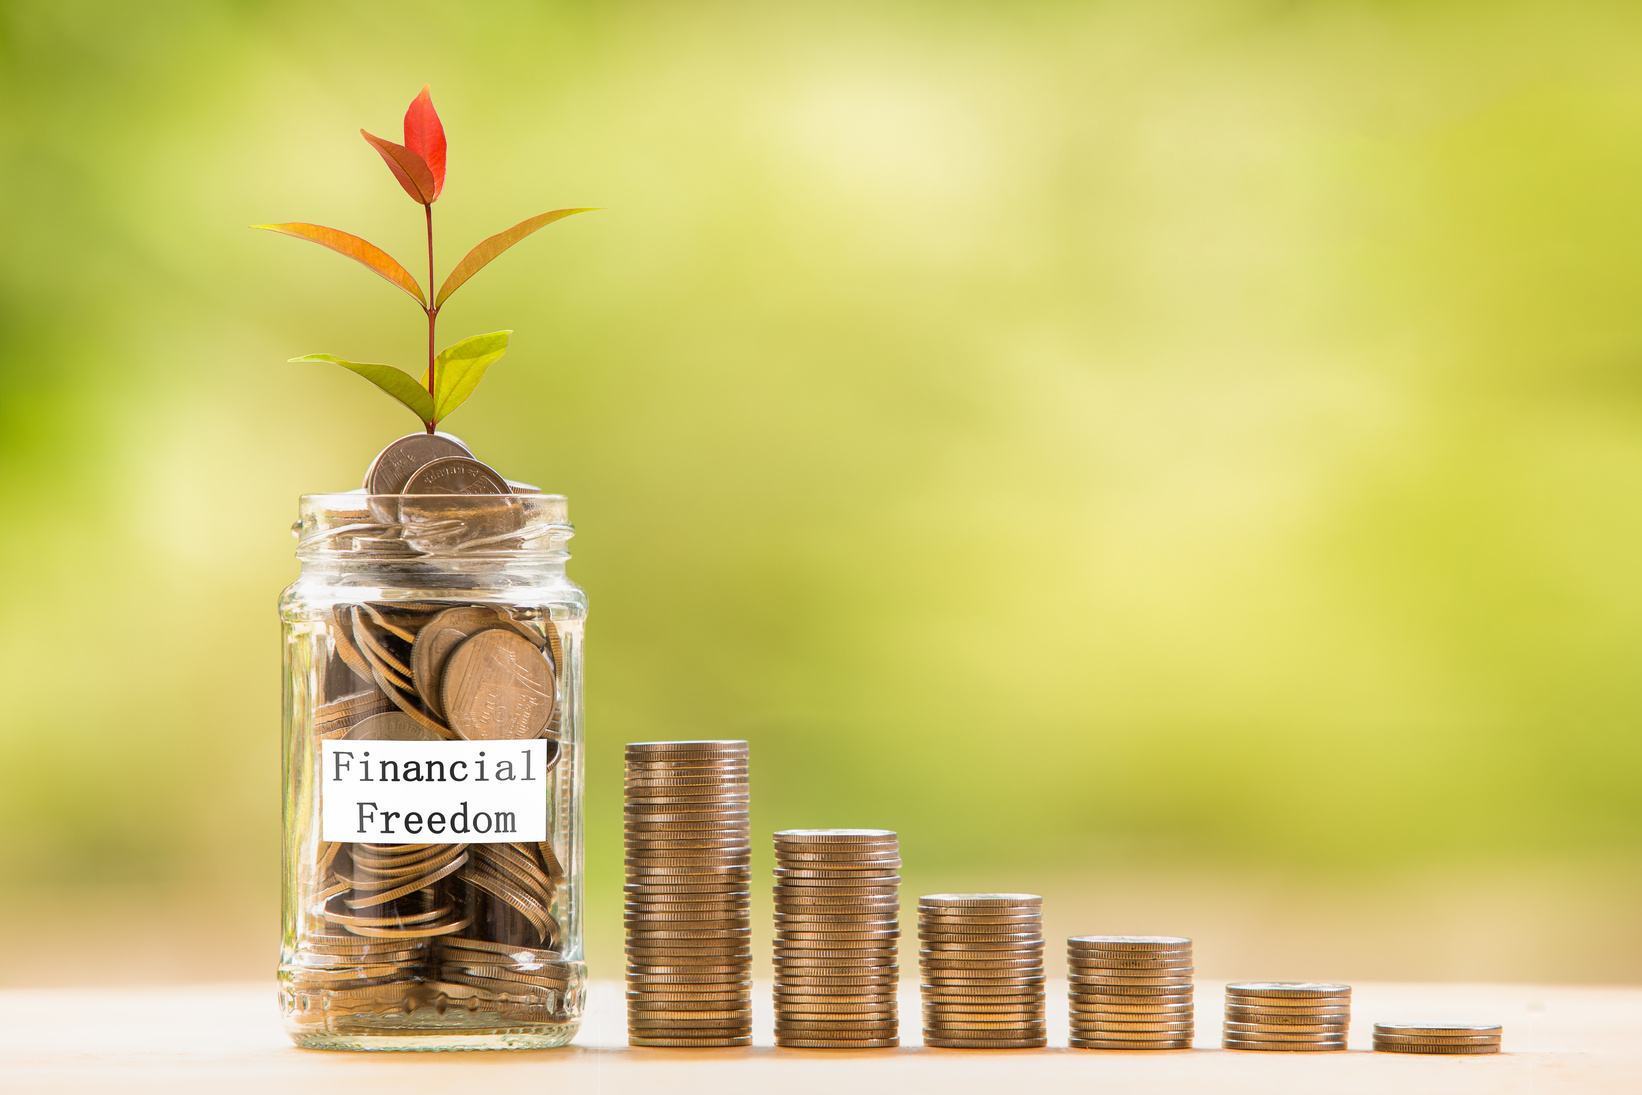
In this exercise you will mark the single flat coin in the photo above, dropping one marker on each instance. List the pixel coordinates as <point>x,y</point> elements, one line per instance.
<point>801,981</point>
<point>1439,1029</point>
<point>394,465</point>
<point>497,685</point>
<point>952,962</point>
<point>726,767</point>
<point>1286,1047</point>
<point>672,750</point>
<point>1287,989</point>
<point>834,836</point>
<point>993,986</point>
<point>1127,943</point>
<point>1017,1017</point>
<point>1410,1047</point>
<point>1124,1029</point>
<point>1341,1018</point>
<point>836,1001</point>
<point>1284,1029</point>
<point>979,900</point>
<point>1429,1040</point>
<point>1266,1036</point>
<point>1017,929</point>
<point>985,1043</point>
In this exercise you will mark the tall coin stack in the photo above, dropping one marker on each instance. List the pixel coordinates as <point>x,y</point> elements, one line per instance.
<point>1130,991</point>
<point>981,959</point>
<point>1293,1016</point>
<point>837,929</point>
<point>689,950</point>
<point>1437,1037</point>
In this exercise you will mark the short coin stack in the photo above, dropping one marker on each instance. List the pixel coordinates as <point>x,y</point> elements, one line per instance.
<point>981,959</point>
<point>1130,991</point>
<point>837,930</point>
<point>689,951</point>
<point>1294,1016</point>
<point>1437,1037</point>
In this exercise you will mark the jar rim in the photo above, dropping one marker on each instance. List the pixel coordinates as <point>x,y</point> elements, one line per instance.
<point>383,527</point>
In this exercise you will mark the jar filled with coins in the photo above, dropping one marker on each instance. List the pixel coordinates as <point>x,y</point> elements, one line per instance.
<point>433,766</point>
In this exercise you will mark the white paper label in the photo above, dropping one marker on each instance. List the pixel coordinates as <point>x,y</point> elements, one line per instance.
<point>434,792</point>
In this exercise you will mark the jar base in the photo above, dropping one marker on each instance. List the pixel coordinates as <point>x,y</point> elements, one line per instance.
<point>421,1017</point>
<point>409,1041</point>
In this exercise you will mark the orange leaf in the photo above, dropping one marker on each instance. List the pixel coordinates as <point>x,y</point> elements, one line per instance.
<point>476,259</point>
<point>356,249</point>
<point>425,136</point>
<point>411,170</point>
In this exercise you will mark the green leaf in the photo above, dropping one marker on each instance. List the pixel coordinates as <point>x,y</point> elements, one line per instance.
<point>396,382</point>
<point>487,249</point>
<point>459,368</point>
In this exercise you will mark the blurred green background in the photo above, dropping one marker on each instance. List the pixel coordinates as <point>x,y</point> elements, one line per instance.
<point>1183,457</point>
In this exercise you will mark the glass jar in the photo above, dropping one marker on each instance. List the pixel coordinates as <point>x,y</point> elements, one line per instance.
<point>433,775</point>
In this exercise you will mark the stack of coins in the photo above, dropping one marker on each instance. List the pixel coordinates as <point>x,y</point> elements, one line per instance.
<point>1287,1015</point>
<point>1130,991</point>
<point>837,927</point>
<point>689,948</point>
<point>981,959</point>
<point>1437,1037</point>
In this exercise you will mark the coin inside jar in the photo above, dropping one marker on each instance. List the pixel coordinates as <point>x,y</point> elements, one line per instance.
<point>443,634</point>
<point>390,726</point>
<point>498,685</point>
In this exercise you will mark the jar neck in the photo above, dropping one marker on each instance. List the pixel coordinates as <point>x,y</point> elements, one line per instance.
<point>490,572</point>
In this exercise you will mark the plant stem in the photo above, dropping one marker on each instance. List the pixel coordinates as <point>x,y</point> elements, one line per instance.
<point>433,314</point>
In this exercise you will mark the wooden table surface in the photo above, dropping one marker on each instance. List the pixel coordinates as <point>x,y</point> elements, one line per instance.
<point>226,1039</point>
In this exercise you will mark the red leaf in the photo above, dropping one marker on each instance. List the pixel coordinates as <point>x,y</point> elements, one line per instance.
<point>486,250</point>
<point>356,249</point>
<point>409,168</point>
<point>425,136</point>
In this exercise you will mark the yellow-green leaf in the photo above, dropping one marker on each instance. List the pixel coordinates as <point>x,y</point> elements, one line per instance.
<point>396,382</point>
<point>459,368</point>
